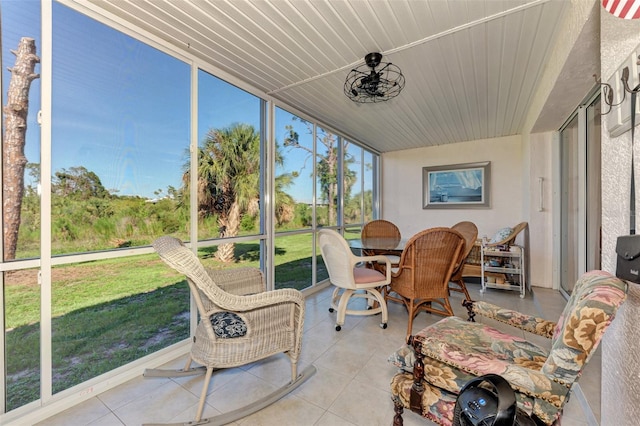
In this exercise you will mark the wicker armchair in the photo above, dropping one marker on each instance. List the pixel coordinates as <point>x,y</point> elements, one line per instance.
<point>470,233</point>
<point>239,323</point>
<point>426,265</point>
<point>446,355</point>
<point>380,228</point>
<point>351,281</point>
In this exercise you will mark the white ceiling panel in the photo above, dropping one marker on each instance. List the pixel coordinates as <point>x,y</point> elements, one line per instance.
<point>471,67</point>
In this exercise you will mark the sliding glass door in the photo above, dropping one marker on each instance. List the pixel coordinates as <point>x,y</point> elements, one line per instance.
<point>580,193</point>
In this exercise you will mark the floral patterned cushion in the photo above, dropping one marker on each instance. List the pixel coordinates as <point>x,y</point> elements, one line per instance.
<point>228,325</point>
<point>438,405</point>
<point>525,322</point>
<point>591,308</point>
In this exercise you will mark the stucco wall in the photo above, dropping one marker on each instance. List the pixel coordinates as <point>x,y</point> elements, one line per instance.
<point>620,355</point>
<point>402,185</point>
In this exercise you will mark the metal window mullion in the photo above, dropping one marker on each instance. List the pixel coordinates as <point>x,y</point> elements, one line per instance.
<point>46,75</point>
<point>3,350</point>
<point>314,221</point>
<point>267,191</point>
<point>193,187</point>
<point>556,186</point>
<point>362,206</point>
<point>582,188</point>
<point>375,190</point>
<point>340,178</point>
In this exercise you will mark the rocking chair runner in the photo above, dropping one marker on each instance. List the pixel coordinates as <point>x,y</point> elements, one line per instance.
<point>239,323</point>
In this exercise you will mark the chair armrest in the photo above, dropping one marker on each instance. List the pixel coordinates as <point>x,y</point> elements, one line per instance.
<point>529,323</point>
<point>243,289</point>
<point>238,281</point>
<point>234,303</point>
<point>377,258</point>
<point>549,394</point>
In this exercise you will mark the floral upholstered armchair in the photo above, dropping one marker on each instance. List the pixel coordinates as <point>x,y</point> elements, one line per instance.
<point>443,357</point>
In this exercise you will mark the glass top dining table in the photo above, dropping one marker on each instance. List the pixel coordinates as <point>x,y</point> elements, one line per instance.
<point>378,244</point>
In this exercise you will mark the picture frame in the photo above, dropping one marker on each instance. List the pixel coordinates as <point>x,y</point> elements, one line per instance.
<point>457,186</point>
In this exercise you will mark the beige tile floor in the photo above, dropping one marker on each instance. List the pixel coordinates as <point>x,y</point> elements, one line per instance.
<point>351,386</point>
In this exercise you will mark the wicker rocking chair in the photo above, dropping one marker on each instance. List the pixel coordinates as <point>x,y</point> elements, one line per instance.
<point>239,323</point>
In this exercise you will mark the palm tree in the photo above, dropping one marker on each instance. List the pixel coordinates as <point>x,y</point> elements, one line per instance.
<point>228,179</point>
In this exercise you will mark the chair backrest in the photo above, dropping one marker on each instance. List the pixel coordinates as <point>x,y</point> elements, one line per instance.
<point>380,228</point>
<point>179,257</point>
<point>429,260</point>
<point>511,238</point>
<point>469,231</point>
<point>591,308</point>
<point>337,257</point>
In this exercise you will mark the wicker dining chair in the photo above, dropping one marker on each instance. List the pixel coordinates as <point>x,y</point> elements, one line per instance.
<point>380,228</point>
<point>426,265</point>
<point>470,233</point>
<point>239,323</point>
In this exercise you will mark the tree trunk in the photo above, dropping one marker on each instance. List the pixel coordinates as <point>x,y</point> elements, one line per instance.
<point>15,124</point>
<point>229,228</point>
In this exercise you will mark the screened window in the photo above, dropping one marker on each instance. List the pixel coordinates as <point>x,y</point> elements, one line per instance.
<point>119,130</point>
<point>327,165</point>
<point>20,343</point>
<point>353,183</point>
<point>20,32</point>
<point>368,180</point>
<point>294,166</point>
<point>120,127</point>
<point>230,162</point>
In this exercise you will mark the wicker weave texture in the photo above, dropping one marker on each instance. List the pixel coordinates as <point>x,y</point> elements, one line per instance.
<point>380,228</point>
<point>469,231</point>
<point>426,265</point>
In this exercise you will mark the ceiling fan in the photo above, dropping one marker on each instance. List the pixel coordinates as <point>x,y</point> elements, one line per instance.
<point>364,84</point>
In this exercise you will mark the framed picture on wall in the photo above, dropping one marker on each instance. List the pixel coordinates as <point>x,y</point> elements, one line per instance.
<point>457,186</point>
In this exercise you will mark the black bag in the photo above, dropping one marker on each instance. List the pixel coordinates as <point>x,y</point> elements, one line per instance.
<point>628,258</point>
<point>628,246</point>
<point>493,405</point>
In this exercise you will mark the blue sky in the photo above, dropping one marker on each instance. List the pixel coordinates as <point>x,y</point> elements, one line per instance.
<point>123,112</point>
